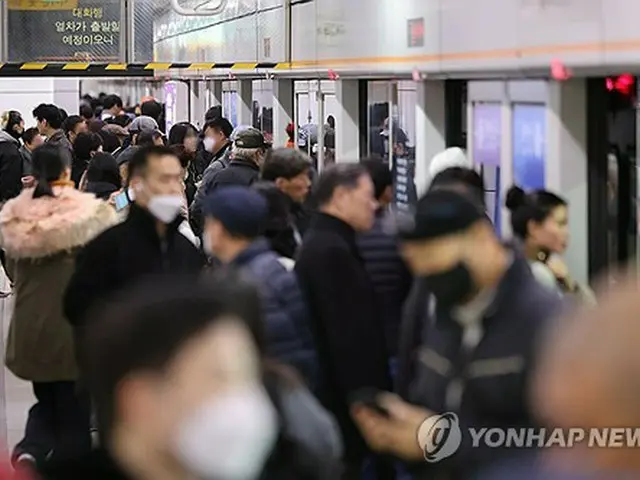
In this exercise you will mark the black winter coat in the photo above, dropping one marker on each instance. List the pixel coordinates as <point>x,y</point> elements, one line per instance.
<point>124,254</point>
<point>10,167</point>
<point>348,330</point>
<point>390,277</point>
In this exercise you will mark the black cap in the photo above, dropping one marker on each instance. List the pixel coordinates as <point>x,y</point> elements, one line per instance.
<point>241,210</point>
<point>250,138</point>
<point>440,213</point>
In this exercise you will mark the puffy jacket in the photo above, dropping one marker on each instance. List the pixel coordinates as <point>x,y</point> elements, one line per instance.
<point>288,330</point>
<point>10,167</point>
<point>390,277</point>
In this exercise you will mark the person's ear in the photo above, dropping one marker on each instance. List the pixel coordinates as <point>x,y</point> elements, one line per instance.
<point>533,229</point>
<point>136,185</point>
<point>281,183</point>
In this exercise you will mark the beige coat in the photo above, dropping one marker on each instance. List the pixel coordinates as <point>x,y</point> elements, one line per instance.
<point>40,237</point>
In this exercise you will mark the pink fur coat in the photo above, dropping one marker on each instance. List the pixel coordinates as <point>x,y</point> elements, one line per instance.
<point>40,227</point>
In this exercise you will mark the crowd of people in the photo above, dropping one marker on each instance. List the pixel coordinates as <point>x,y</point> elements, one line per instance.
<point>200,304</point>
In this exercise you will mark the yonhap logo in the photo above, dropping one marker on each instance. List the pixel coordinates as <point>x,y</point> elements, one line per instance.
<point>439,436</point>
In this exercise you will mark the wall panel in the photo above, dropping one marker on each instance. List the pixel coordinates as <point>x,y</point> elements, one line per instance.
<point>466,39</point>
<point>455,36</point>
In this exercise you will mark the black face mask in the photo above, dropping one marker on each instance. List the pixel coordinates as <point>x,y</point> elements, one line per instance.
<point>451,287</point>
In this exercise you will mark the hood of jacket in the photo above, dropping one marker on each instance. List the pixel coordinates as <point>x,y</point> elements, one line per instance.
<point>39,227</point>
<point>6,137</point>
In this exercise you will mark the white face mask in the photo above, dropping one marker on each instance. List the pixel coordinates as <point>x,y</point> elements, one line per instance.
<point>209,143</point>
<point>165,207</point>
<point>230,437</point>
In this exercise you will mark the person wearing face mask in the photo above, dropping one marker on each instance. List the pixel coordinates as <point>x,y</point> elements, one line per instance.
<point>10,159</point>
<point>148,242</point>
<point>539,220</point>
<point>478,342</point>
<point>215,147</point>
<point>348,329</point>
<point>183,398</point>
<point>196,399</point>
<point>445,173</point>
<point>248,153</point>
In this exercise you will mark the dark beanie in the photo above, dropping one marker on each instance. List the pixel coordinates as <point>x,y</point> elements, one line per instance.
<point>440,213</point>
<point>242,211</point>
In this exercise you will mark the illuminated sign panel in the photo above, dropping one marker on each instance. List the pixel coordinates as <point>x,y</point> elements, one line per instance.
<point>63,30</point>
<point>415,28</point>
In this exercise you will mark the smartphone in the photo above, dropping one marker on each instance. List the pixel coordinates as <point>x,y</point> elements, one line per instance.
<point>121,200</point>
<point>369,398</point>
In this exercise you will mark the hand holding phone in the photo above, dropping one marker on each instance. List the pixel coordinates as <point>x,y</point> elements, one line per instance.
<point>121,200</point>
<point>368,397</point>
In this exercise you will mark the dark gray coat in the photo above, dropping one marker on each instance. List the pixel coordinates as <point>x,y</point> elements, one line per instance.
<point>494,375</point>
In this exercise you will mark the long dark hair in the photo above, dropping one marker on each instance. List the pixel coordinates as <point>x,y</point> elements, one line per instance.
<point>49,163</point>
<point>85,143</point>
<point>533,206</point>
<point>179,132</point>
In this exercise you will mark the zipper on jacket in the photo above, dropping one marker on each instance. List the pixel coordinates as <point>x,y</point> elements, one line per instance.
<point>471,337</point>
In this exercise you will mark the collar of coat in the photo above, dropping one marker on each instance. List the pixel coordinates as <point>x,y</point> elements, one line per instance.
<point>40,227</point>
<point>145,223</point>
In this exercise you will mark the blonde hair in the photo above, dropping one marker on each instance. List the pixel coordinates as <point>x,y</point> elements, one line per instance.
<point>4,121</point>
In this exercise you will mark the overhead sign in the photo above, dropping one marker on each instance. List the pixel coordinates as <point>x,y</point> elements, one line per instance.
<point>40,5</point>
<point>62,30</point>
